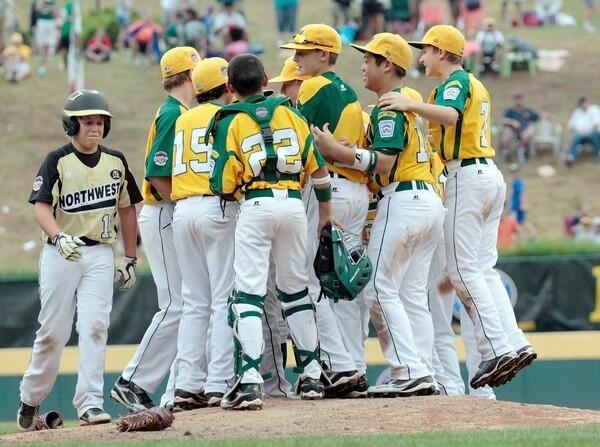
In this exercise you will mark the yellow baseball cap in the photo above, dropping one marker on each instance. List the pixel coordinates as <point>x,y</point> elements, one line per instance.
<point>444,37</point>
<point>289,72</point>
<point>208,74</point>
<point>177,60</point>
<point>391,46</point>
<point>316,37</point>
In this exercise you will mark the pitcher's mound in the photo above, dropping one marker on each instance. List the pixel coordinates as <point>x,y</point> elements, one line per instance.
<point>284,418</point>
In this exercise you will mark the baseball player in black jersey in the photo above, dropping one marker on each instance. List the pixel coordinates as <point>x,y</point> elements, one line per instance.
<point>79,192</point>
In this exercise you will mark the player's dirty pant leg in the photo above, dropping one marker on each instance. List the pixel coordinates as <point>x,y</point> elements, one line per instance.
<point>299,313</point>
<point>382,292</point>
<point>245,314</point>
<point>58,279</point>
<point>94,303</point>
<point>470,195</point>
<point>158,348</point>
<point>472,356</point>
<point>488,255</point>
<point>441,304</point>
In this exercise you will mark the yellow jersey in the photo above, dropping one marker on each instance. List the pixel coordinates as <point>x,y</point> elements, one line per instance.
<point>241,161</point>
<point>328,99</point>
<point>401,134</point>
<point>471,137</point>
<point>191,154</point>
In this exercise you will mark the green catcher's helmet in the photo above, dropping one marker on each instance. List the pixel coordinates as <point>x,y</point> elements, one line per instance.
<point>341,264</point>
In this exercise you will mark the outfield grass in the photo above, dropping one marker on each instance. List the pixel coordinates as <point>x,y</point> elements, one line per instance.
<point>580,436</point>
<point>30,115</point>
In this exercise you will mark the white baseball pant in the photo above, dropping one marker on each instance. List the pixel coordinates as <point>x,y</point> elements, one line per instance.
<point>401,246</point>
<point>158,348</point>
<point>474,199</point>
<point>446,365</point>
<point>341,325</point>
<point>274,225</point>
<point>66,287</point>
<point>203,237</point>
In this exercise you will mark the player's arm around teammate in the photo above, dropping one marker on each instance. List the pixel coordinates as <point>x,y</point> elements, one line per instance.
<point>78,192</point>
<point>158,346</point>
<point>459,114</point>
<point>408,222</point>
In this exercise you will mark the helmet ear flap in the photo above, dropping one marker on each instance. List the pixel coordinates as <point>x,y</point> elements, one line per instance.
<point>106,126</point>
<point>70,124</point>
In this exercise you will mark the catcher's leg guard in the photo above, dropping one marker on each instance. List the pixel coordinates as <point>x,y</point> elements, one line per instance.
<point>299,313</point>
<point>245,313</point>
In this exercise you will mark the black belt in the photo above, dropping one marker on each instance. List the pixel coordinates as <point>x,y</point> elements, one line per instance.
<point>86,240</point>
<point>472,161</point>
<point>337,175</point>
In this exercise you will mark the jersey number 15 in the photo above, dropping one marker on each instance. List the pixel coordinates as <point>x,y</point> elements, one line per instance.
<point>198,159</point>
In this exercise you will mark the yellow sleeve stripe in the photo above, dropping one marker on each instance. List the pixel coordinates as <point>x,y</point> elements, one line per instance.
<point>310,87</point>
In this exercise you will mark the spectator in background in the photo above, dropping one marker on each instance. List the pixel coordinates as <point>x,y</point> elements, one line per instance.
<point>517,201</point>
<point>584,125</point>
<point>66,17</point>
<point>585,230</point>
<point>373,18</point>
<point>341,9</point>
<point>168,10</point>
<point>229,18</point>
<point>237,43</point>
<point>286,11</point>
<point>491,42</point>
<point>402,17</point>
<point>45,31</point>
<point>195,32</point>
<point>123,16</point>
<point>142,36</point>
<point>15,59</point>
<point>590,5</point>
<point>175,31</point>
<point>508,230</point>
<point>517,126</point>
<point>571,223</point>
<point>99,47</point>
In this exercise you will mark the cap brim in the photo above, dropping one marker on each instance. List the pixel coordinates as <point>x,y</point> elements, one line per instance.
<point>280,79</point>
<point>359,48</point>
<point>419,45</point>
<point>298,46</point>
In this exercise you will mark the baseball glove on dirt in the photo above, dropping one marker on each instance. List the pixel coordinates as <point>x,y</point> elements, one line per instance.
<point>49,421</point>
<point>152,419</point>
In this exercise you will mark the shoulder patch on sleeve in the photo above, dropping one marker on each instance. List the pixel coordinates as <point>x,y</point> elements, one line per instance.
<point>38,182</point>
<point>386,113</point>
<point>386,128</point>
<point>161,158</point>
<point>451,93</point>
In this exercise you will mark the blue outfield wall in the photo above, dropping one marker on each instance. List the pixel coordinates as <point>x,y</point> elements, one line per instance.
<point>569,383</point>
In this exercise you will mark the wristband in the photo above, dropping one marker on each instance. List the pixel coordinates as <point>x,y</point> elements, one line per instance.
<point>362,158</point>
<point>372,162</point>
<point>320,180</point>
<point>323,194</point>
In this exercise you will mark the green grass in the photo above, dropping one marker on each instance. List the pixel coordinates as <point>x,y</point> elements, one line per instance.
<point>546,247</point>
<point>580,436</point>
<point>30,116</point>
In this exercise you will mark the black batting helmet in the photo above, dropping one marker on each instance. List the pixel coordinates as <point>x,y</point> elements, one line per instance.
<point>84,103</point>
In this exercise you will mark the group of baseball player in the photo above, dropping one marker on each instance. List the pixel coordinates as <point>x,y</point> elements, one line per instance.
<point>238,194</point>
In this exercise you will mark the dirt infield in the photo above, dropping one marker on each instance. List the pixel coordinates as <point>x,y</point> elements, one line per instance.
<point>289,418</point>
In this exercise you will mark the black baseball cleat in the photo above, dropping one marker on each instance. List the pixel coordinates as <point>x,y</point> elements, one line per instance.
<point>187,401</point>
<point>95,416</point>
<point>526,357</point>
<point>492,372</point>
<point>339,382</point>
<point>130,395</point>
<point>243,396</point>
<point>423,386</point>
<point>310,389</point>
<point>214,399</point>
<point>358,390</point>
<point>26,415</point>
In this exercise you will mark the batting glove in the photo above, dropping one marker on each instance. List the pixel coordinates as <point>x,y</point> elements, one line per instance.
<point>126,271</point>
<point>68,246</point>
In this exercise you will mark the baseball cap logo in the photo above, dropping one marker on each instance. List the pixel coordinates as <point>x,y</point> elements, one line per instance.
<point>168,68</point>
<point>194,57</point>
